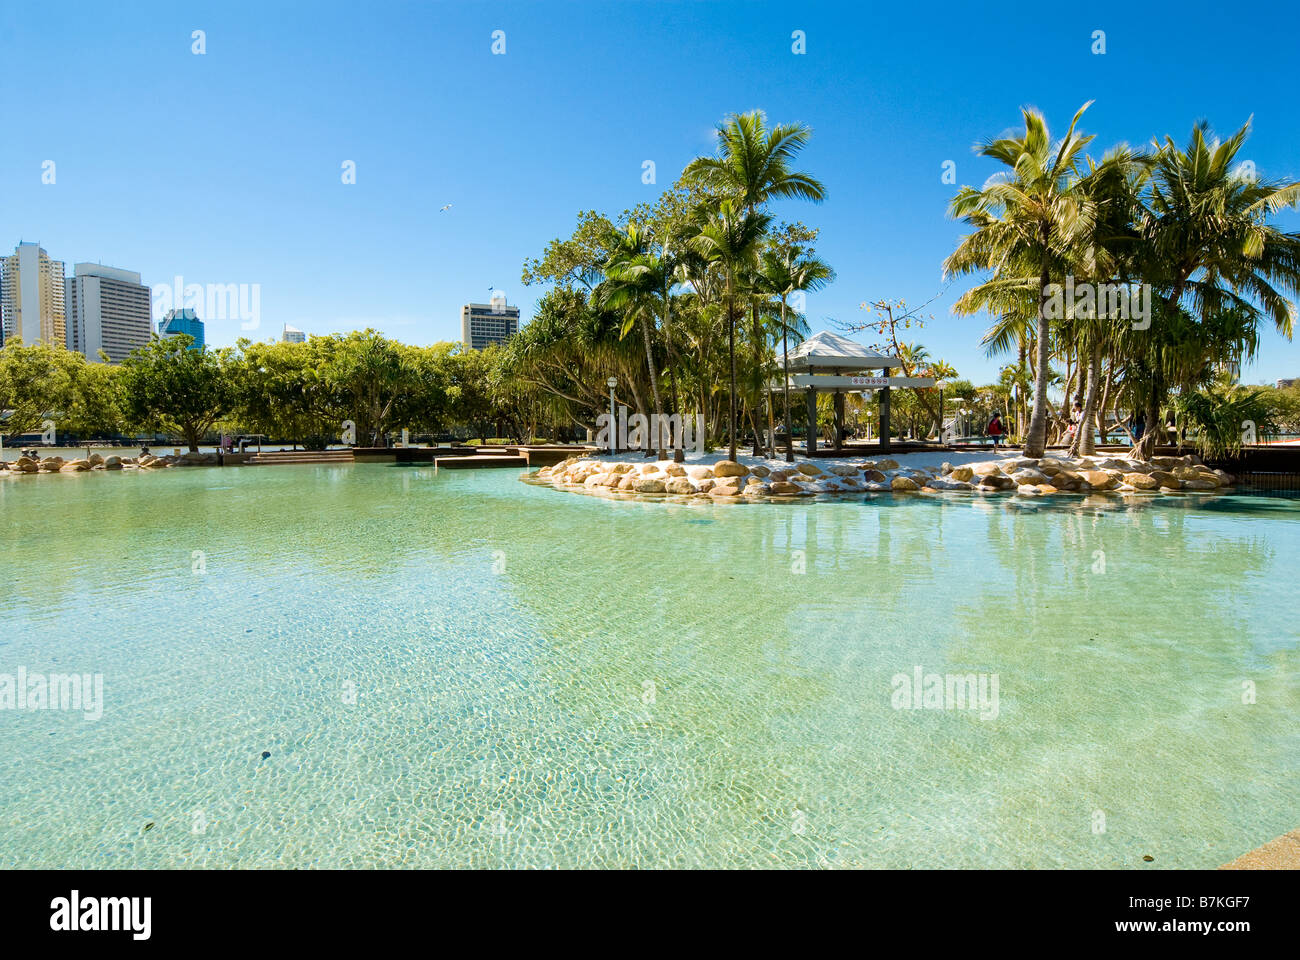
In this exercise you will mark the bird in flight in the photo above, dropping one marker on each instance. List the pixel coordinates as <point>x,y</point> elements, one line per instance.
<point>445,206</point>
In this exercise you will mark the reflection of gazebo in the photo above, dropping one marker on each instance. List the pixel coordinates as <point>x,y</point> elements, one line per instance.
<point>827,361</point>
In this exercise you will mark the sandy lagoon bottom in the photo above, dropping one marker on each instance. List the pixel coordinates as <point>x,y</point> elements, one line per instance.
<point>459,669</point>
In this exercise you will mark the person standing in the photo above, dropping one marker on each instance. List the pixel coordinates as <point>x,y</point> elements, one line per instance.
<point>995,429</point>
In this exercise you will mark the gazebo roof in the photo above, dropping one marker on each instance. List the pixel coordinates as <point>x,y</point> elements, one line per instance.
<point>830,351</point>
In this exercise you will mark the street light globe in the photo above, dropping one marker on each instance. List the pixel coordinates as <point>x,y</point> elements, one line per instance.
<point>612,382</point>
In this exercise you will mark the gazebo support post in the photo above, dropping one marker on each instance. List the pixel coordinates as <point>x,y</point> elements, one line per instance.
<point>839,421</point>
<point>811,445</point>
<point>884,416</point>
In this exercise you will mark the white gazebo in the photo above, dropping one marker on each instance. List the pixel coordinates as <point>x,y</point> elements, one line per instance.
<point>826,361</point>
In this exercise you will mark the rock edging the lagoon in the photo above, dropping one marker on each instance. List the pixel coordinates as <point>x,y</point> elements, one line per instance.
<point>730,481</point>
<point>28,465</point>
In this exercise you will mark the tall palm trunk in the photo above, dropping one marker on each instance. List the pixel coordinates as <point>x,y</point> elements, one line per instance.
<point>756,414</point>
<point>654,389</point>
<point>1083,444</point>
<point>785,363</point>
<point>731,353</point>
<point>1036,440</point>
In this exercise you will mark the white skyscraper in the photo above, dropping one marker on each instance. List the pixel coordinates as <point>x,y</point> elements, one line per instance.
<point>31,296</point>
<point>292,335</point>
<point>109,310</point>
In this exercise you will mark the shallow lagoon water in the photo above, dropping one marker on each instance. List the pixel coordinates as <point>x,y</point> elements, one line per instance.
<point>459,669</point>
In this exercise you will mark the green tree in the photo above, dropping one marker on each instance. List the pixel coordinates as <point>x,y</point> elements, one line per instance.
<point>1032,214</point>
<point>730,238</point>
<point>36,382</point>
<point>167,386</point>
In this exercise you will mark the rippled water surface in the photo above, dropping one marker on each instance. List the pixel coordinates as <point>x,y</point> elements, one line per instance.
<point>460,669</point>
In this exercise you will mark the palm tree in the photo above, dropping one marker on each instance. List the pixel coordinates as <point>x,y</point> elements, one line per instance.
<point>729,238</point>
<point>634,278</point>
<point>1030,215</point>
<point>1206,243</point>
<point>787,269</point>
<point>754,165</point>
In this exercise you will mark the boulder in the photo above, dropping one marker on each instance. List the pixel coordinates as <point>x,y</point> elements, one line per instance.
<point>948,483</point>
<point>782,488</point>
<point>886,464</point>
<point>809,469</point>
<point>1025,476</point>
<point>698,472</point>
<point>1050,466</point>
<point>1164,478</point>
<point>760,471</point>
<point>1167,463</point>
<point>1186,473</point>
<point>729,468</point>
<point>782,474</point>
<point>675,470</point>
<point>679,485</point>
<point>629,482</point>
<point>1141,481</point>
<point>903,485</point>
<point>961,473</point>
<point>1199,484</point>
<point>874,476</point>
<point>95,459</point>
<point>650,485</point>
<point>844,470</point>
<point>997,481</point>
<point>757,490</point>
<point>725,490</point>
<point>595,480</point>
<point>1098,479</point>
<point>1225,478</point>
<point>620,468</point>
<point>706,485</point>
<point>986,469</point>
<point>875,487</point>
<point>648,468</point>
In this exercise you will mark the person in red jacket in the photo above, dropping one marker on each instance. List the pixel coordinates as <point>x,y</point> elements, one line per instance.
<point>995,430</point>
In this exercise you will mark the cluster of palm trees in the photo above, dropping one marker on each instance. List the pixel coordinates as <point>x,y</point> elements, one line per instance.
<point>1190,225</point>
<point>710,284</point>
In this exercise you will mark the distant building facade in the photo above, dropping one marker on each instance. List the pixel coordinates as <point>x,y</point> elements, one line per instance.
<point>32,296</point>
<point>292,335</point>
<point>182,321</point>
<point>108,309</point>
<point>486,323</point>
<point>1289,382</point>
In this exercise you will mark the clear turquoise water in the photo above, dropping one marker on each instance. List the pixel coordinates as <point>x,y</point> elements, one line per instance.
<point>551,680</point>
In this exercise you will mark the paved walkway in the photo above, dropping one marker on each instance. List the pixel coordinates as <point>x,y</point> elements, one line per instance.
<point>1280,854</point>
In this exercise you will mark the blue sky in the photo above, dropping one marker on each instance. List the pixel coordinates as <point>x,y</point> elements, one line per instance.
<point>226,167</point>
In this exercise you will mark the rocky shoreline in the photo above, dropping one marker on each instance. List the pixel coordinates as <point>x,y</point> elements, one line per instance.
<point>728,480</point>
<point>29,465</point>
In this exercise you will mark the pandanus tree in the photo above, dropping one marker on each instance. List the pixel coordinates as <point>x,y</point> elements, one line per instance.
<point>788,269</point>
<point>1035,213</point>
<point>729,238</point>
<point>1207,245</point>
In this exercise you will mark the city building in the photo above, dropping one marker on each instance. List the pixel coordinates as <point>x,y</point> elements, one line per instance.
<point>485,323</point>
<point>1289,382</point>
<point>32,296</point>
<point>182,321</point>
<point>108,309</point>
<point>292,335</point>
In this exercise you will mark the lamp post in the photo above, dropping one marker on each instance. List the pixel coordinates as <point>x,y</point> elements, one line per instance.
<point>612,383</point>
